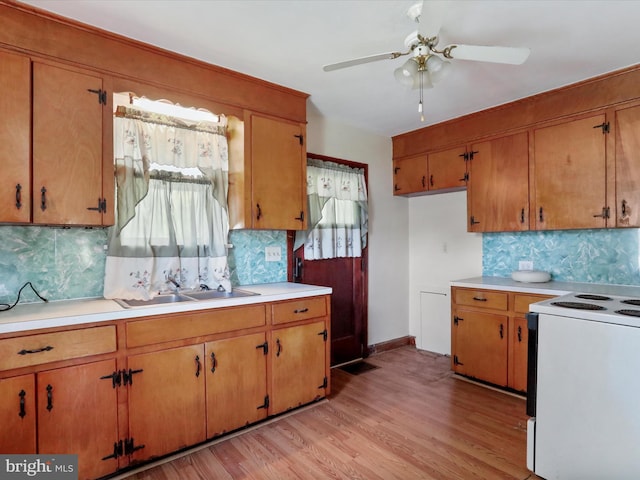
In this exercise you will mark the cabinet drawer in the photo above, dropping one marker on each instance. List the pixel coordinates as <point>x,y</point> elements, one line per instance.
<point>522,302</point>
<point>51,347</point>
<point>302,309</point>
<point>482,299</point>
<point>193,324</point>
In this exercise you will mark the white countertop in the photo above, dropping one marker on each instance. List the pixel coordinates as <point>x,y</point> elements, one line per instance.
<point>547,288</point>
<point>33,316</point>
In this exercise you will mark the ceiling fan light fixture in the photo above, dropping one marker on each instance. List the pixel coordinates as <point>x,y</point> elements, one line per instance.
<point>437,67</point>
<point>407,73</point>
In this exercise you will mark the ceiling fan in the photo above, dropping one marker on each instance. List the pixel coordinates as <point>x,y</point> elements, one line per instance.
<point>428,63</point>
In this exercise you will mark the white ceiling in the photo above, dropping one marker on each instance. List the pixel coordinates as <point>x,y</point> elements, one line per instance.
<point>288,41</point>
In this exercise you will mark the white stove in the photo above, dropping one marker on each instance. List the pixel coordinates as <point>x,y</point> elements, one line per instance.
<point>620,310</point>
<point>583,387</point>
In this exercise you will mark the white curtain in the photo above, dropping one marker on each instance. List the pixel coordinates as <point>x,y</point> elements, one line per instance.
<point>337,211</point>
<point>171,218</point>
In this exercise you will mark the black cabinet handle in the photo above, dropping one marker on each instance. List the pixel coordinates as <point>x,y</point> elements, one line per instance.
<point>522,216</point>
<point>431,180</point>
<point>301,310</point>
<point>214,362</point>
<point>479,299</point>
<point>43,199</point>
<point>424,181</point>
<point>49,398</point>
<point>18,196</point>
<point>541,216</point>
<point>22,412</point>
<point>259,211</point>
<point>501,331</point>
<point>624,208</point>
<point>198,365</point>
<point>279,345</point>
<point>519,334</point>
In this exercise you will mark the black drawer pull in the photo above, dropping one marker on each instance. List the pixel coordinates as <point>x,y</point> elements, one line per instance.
<point>37,350</point>
<point>301,310</point>
<point>478,299</point>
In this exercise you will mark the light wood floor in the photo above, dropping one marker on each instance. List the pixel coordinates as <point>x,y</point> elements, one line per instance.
<point>408,419</point>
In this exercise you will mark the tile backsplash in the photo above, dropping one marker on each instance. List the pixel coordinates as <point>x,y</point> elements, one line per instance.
<point>589,256</point>
<point>65,263</point>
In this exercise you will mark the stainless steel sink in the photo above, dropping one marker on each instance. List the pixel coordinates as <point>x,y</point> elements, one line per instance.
<point>159,300</point>
<point>213,294</point>
<point>184,297</point>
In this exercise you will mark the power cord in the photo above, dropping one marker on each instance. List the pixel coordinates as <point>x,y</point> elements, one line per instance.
<point>5,306</point>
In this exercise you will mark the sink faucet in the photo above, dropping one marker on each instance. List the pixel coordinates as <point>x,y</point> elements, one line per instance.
<point>173,281</point>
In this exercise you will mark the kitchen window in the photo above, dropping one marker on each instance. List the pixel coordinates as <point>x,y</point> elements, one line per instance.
<point>171,215</point>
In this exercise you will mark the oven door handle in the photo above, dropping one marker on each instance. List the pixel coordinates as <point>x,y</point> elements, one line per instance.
<point>532,363</point>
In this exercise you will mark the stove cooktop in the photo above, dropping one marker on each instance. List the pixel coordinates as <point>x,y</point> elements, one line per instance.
<point>607,308</point>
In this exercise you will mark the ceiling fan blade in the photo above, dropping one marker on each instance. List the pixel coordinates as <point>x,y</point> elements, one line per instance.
<point>361,60</point>
<point>510,55</point>
<point>430,15</point>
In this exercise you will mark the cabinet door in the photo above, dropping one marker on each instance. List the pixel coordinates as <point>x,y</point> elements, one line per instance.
<point>627,126</point>
<point>278,173</point>
<point>447,169</point>
<point>410,175</point>
<point>15,138</point>
<point>18,415</point>
<point>498,189</point>
<point>77,414</point>
<point>166,400</point>
<point>67,146</point>
<point>518,335</point>
<point>236,383</point>
<point>570,175</point>
<point>480,345</point>
<point>298,366</point>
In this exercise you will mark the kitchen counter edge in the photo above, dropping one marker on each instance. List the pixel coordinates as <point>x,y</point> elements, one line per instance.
<point>64,313</point>
<point>552,288</point>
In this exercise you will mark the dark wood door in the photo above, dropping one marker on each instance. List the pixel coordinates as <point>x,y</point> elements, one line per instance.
<point>348,279</point>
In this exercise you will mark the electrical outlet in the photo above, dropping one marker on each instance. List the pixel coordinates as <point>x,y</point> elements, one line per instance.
<point>525,265</point>
<point>272,254</point>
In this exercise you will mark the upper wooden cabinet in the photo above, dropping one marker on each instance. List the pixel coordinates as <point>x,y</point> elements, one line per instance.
<point>410,175</point>
<point>279,174</point>
<point>448,169</point>
<point>15,138</point>
<point>570,174</point>
<point>443,171</point>
<point>267,174</point>
<point>627,167</point>
<point>498,190</point>
<point>68,108</point>
<point>58,152</point>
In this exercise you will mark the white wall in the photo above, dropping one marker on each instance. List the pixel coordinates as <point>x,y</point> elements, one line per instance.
<point>388,222</point>
<point>440,250</point>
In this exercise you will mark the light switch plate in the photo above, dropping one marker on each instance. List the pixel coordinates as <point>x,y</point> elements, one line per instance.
<point>273,254</point>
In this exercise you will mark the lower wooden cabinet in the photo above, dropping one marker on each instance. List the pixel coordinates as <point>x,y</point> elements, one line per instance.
<point>298,371</point>
<point>151,386</point>
<point>236,376</point>
<point>481,345</point>
<point>77,414</point>
<point>166,400</point>
<point>18,415</point>
<point>489,335</point>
